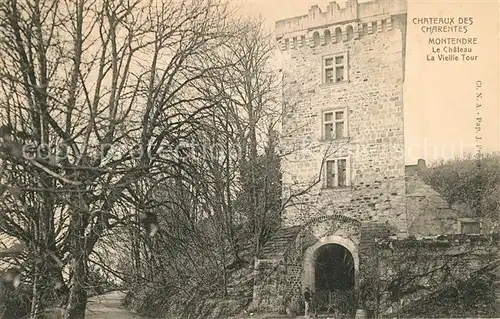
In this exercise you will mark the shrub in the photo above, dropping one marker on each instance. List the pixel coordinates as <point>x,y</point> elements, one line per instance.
<point>14,302</point>
<point>473,297</point>
<point>98,283</point>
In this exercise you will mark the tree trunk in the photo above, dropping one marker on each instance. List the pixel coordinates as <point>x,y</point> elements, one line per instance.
<point>36,296</point>
<point>77,300</point>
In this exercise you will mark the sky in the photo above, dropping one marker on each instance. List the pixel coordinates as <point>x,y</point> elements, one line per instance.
<point>440,97</point>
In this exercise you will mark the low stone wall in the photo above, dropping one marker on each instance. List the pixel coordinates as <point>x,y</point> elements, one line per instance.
<point>267,291</point>
<point>393,271</point>
<point>281,277</point>
<point>409,270</point>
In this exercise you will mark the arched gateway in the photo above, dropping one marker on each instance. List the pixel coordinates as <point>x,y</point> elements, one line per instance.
<point>332,262</point>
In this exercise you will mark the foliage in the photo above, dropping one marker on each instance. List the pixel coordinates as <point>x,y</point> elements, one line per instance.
<point>225,202</point>
<point>430,279</point>
<point>340,301</point>
<point>261,178</point>
<point>91,94</point>
<point>471,181</point>
<point>468,297</point>
<point>295,307</point>
<point>98,282</point>
<point>194,300</point>
<point>15,303</point>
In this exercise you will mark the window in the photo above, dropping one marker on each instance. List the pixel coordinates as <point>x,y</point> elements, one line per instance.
<point>384,25</point>
<point>328,37</point>
<point>338,35</point>
<point>334,124</point>
<point>364,29</point>
<point>335,68</point>
<point>350,33</point>
<point>316,39</point>
<point>470,227</point>
<point>336,173</point>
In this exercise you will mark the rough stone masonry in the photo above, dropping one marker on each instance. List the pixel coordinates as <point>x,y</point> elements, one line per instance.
<point>344,179</point>
<point>369,39</point>
<point>342,136</point>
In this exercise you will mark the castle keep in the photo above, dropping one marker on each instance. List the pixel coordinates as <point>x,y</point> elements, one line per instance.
<point>356,219</point>
<point>342,136</point>
<point>343,125</point>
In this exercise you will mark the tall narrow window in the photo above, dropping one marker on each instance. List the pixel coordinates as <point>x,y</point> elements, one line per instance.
<point>328,125</point>
<point>365,29</point>
<point>328,37</point>
<point>336,173</point>
<point>350,32</point>
<point>338,35</point>
<point>316,38</point>
<point>339,124</point>
<point>335,68</point>
<point>334,124</point>
<point>329,76</point>
<point>330,174</point>
<point>339,68</point>
<point>342,166</point>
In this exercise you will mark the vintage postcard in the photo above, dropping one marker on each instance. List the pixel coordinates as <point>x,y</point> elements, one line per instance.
<point>249,159</point>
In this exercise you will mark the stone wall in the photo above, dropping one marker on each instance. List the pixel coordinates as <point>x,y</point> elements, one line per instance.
<point>372,97</point>
<point>281,275</point>
<point>428,213</point>
<point>412,269</point>
<point>383,261</point>
<point>335,15</point>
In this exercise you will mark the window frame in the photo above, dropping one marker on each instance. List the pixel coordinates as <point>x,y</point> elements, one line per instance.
<point>334,121</point>
<point>334,66</point>
<point>463,222</point>
<point>336,172</point>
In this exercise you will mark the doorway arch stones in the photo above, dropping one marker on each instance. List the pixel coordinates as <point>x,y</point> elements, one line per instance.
<point>336,229</point>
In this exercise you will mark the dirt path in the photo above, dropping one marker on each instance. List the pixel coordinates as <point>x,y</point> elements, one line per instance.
<point>109,306</point>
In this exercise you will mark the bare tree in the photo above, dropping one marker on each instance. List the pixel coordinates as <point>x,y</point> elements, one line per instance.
<point>81,83</point>
<point>250,88</point>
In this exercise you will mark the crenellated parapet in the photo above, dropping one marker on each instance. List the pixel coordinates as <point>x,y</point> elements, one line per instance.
<point>338,24</point>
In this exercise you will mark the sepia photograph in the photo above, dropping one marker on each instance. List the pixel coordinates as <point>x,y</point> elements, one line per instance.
<point>191,159</point>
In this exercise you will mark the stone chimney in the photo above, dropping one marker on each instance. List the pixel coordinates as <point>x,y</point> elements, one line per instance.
<point>421,164</point>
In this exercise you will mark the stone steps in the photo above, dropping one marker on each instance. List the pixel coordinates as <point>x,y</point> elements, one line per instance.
<point>279,243</point>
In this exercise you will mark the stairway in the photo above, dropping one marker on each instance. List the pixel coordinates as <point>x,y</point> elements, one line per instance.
<point>279,243</point>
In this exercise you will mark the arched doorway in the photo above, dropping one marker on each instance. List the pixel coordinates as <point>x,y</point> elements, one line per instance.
<point>334,278</point>
<point>333,262</point>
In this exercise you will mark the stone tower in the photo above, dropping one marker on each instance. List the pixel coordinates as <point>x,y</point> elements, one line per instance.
<point>342,139</point>
<point>343,126</point>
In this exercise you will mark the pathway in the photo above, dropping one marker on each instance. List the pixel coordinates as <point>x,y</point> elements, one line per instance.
<point>109,306</point>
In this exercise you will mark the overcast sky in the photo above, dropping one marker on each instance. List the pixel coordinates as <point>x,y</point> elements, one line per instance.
<point>440,116</point>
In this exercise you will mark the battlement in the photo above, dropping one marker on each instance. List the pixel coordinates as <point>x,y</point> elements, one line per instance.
<point>353,11</point>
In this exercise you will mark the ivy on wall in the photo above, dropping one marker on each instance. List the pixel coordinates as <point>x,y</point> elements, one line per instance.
<point>440,277</point>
